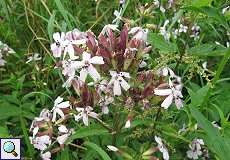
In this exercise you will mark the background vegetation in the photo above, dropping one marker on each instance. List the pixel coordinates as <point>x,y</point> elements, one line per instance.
<point>27,27</point>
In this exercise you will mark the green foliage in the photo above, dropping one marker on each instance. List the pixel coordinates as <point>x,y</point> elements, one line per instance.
<point>25,89</point>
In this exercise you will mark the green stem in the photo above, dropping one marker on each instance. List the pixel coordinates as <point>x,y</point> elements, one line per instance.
<point>217,76</point>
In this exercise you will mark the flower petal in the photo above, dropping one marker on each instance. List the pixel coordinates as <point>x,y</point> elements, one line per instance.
<point>162,92</point>
<point>65,104</point>
<point>93,73</point>
<point>93,114</point>
<point>60,112</point>
<point>56,37</point>
<point>85,119</point>
<point>63,129</point>
<point>61,139</point>
<point>83,74</point>
<point>78,117</point>
<point>167,102</point>
<point>124,84</point>
<point>97,60</point>
<point>116,88</point>
<point>86,56</point>
<point>58,100</point>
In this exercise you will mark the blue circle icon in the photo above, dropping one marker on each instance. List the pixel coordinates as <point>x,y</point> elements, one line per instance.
<point>9,147</point>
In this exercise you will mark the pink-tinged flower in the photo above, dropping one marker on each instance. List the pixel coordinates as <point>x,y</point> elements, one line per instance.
<point>118,82</point>
<point>173,93</point>
<point>58,106</point>
<point>2,62</point>
<point>70,42</point>
<point>69,68</point>
<point>64,134</point>
<point>41,143</point>
<point>46,156</point>
<point>58,46</point>
<point>87,67</point>
<point>195,149</point>
<point>104,102</point>
<point>162,148</point>
<point>112,148</point>
<point>39,121</point>
<point>139,33</point>
<point>84,114</point>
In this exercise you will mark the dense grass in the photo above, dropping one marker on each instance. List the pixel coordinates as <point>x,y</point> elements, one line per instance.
<point>28,25</point>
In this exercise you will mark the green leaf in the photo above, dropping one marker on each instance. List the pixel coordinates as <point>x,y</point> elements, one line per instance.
<point>98,149</point>
<point>203,122</point>
<point>207,50</point>
<point>64,154</point>
<point>198,96</point>
<point>88,131</point>
<point>4,132</point>
<point>159,42</point>
<point>210,12</point>
<point>200,3</point>
<point>219,145</point>
<point>8,110</point>
<point>50,26</point>
<point>63,12</point>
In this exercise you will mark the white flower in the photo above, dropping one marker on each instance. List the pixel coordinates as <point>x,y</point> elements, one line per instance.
<point>69,68</point>
<point>227,44</point>
<point>128,124</point>
<point>156,3</point>
<point>104,102</point>
<point>142,64</point>
<point>172,93</point>
<point>65,133</point>
<point>112,148</point>
<point>107,27</point>
<point>183,28</point>
<point>215,124</point>
<point>58,106</point>
<point>183,129</point>
<point>44,116</point>
<point>139,33</point>
<point>34,57</point>
<point>69,44</point>
<point>87,67</point>
<point>118,16</point>
<point>170,2</point>
<point>41,143</point>
<point>46,156</point>
<point>165,71</point>
<point>162,9</point>
<point>162,148</point>
<point>164,32</point>
<point>2,62</point>
<point>118,81</point>
<point>175,33</point>
<point>225,9</point>
<point>58,46</point>
<point>195,149</point>
<point>84,114</point>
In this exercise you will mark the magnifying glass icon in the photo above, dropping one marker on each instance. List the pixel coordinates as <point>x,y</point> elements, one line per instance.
<point>9,147</point>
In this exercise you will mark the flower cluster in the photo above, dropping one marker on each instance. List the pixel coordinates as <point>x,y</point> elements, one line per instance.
<point>104,71</point>
<point>43,127</point>
<point>195,149</point>
<point>5,50</point>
